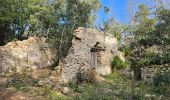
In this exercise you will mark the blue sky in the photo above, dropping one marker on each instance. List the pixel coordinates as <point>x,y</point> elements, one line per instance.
<point>118,10</point>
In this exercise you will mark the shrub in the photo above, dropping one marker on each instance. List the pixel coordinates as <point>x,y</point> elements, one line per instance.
<point>118,63</point>
<point>75,87</point>
<point>161,83</point>
<point>118,36</point>
<point>88,76</point>
<point>125,49</point>
<point>162,79</point>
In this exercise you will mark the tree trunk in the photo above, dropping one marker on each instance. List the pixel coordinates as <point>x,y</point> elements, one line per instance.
<point>137,74</point>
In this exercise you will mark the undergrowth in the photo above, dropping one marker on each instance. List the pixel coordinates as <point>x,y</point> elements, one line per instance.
<point>116,86</point>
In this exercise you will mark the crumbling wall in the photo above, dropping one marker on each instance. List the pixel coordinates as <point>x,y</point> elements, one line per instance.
<point>90,49</point>
<point>81,56</point>
<point>148,73</point>
<point>26,55</point>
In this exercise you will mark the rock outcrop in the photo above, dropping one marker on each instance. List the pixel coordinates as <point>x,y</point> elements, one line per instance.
<point>90,49</point>
<point>26,55</point>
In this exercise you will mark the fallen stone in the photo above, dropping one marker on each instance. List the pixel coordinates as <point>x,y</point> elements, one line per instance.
<point>45,82</point>
<point>65,90</point>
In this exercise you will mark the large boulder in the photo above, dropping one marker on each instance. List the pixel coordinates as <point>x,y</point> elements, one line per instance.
<point>26,55</point>
<point>90,49</point>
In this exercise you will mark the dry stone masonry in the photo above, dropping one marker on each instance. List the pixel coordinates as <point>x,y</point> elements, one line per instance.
<point>90,49</point>
<point>148,73</point>
<point>27,55</point>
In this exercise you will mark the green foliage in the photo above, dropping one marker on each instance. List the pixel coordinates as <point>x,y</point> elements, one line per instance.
<point>145,24</point>
<point>148,59</point>
<point>118,63</point>
<point>126,50</point>
<point>118,36</point>
<point>46,18</point>
<point>161,83</point>
<point>15,17</point>
<point>79,77</point>
<point>114,27</point>
<point>143,13</point>
<point>19,81</point>
<point>162,79</point>
<point>6,34</point>
<point>75,87</point>
<point>115,86</point>
<point>148,33</point>
<point>144,62</point>
<point>163,27</point>
<point>53,95</point>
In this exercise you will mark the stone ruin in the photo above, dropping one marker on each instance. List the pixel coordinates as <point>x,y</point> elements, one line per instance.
<point>148,73</point>
<point>27,55</point>
<point>90,49</point>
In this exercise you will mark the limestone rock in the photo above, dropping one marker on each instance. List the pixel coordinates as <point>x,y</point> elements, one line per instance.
<point>65,90</point>
<point>45,82</point>
<point>121,55</point>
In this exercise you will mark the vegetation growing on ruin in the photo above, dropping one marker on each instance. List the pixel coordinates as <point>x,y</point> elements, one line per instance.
<point>144,42</point>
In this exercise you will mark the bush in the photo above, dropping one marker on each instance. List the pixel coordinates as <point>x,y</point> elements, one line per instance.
<point>161,83</point>
<point>118,36</point>
<point>88,76</point>
<point>19,81</point>
<point>162,79</point>
<point>125,49</point>
<point>118,63</point>
<point>74,86</point>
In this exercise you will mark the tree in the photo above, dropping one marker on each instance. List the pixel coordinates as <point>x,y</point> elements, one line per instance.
<point>15,17</point>
<point>152,40</point>
<point>5,19</point>
<point>115,28</point>
<point>53,19</point>
<point>77,14</point>
<point>141,33</point>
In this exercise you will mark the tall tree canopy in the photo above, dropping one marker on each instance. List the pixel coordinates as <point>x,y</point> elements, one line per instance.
<point>151,39</point>
<point>54,19</point>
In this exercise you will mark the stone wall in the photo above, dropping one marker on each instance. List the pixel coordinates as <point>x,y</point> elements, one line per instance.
<point>26,55</point>
<point>91,49</point>
<point>81,57</point>
<point>148,73</point>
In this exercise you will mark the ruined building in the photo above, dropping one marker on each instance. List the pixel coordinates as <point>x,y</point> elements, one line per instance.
<point>91,49</point>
